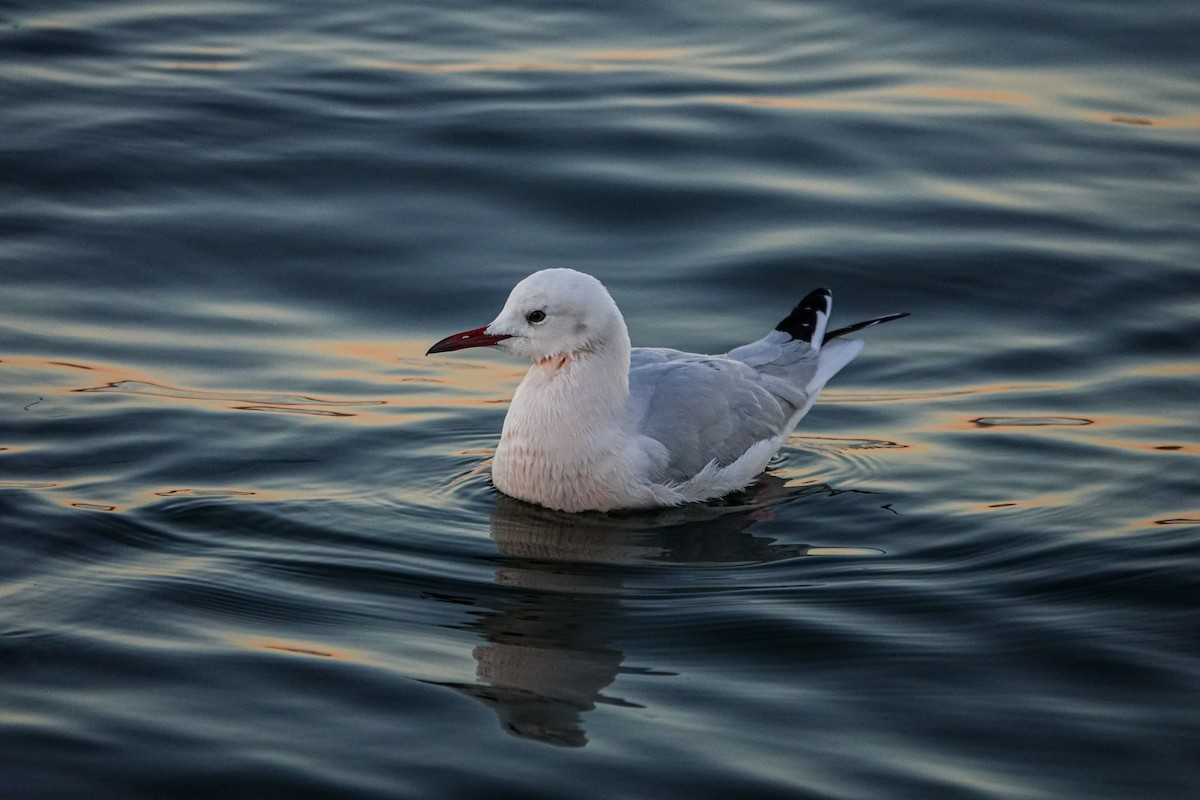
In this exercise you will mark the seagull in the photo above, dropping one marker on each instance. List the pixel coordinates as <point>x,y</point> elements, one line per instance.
<point>598,425</point>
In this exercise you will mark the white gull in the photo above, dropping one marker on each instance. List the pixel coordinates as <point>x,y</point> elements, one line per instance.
<point>598,425</point>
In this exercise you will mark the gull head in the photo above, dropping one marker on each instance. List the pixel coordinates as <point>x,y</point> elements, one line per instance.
<point>550,314</point>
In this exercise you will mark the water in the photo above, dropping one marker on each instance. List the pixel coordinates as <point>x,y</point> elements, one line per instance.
<point>249,546</point>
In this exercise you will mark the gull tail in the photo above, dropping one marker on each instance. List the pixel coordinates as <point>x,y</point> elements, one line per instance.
<point>808,319</point>
<point>808,322</point>
<point>858,326</point>
<point>800,351</point>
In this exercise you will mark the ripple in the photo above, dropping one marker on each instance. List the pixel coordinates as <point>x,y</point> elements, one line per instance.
<point>841,462</point>
<point>1028,422</point>
<point>205,493</point>
<point>316,412</point>
<point>841,443</point>
<point>92,506</point>
<point>159,390</point>
<point>295,200</point>
<point>844,551</point>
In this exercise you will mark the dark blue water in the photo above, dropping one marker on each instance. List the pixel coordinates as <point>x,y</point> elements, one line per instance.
<point>248,547</point>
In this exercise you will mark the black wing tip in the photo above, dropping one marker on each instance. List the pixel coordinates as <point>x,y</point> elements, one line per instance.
<point>870,323</point>
<point>802,322</point>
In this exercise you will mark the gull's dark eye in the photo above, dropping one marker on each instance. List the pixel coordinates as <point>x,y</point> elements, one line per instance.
<point>536,316</point>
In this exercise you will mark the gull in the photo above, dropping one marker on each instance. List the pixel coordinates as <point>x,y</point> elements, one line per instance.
<point>598,425</point>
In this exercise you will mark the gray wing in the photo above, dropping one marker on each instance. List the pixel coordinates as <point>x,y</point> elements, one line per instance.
<point>702,408</point>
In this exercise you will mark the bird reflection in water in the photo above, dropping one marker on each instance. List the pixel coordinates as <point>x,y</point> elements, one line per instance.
<point>548,656</point>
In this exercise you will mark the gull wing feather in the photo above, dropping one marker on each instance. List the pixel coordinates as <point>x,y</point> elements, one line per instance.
<point>704,408</point>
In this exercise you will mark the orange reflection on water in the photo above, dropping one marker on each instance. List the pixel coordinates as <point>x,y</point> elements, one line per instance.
<point>1165,448</point>
<point>86,506</point>
<point>843,551</point>
<point>58,371</point>
<point>1176,369</point>
<point>654,54</point>
<point>408,664</point>
<point>151,496</point>
<point>310,649</point>
<point>1058,500</point>
<point>972,95</point>
<point>404,362</point>
<point>200,66</point>
<point>1191,519</point>
<point>394,383</point>
<point>1185,121</point>
<point>1035,422</point>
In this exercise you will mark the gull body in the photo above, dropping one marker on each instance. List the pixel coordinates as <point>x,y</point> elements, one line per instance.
<point>598,425</point>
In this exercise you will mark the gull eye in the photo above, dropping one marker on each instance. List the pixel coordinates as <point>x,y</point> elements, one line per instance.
<point>535,316</point>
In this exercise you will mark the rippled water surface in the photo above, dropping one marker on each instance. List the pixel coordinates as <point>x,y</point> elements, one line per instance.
<point>248,546</point>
